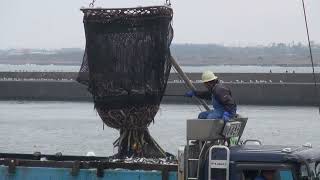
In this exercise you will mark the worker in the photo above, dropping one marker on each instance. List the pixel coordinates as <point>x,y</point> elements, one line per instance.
<point>265,175</point>
<point>259,178</point>
<point>268,174</point>
<point>224,106</point>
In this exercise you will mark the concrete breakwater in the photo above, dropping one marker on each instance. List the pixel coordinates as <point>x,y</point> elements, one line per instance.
<point>255,89</point>
<point>227,77</point>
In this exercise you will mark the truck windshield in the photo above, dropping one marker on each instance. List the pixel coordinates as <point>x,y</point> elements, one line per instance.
<point>285,174</point>
<point>265,172</point>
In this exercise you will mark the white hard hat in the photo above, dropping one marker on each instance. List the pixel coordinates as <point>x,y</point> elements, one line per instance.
<point>208,76</point>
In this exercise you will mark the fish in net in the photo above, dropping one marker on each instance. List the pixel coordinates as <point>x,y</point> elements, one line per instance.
<point>126,66</point>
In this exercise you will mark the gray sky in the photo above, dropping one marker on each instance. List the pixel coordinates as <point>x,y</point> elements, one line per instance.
<point>58,23</point>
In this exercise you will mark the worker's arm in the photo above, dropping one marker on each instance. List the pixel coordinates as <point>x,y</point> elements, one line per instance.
<point>203,94</point>
<point>224,96</point>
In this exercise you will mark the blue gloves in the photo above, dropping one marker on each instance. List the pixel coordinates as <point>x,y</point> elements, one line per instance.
<point>226,116</point>
<point>190,93</point>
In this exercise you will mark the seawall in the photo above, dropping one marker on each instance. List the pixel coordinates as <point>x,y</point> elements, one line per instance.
<point>227,77</point>
<point>255,89</point>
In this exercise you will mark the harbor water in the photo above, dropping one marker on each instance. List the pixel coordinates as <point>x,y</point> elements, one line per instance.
<point>75,128</point>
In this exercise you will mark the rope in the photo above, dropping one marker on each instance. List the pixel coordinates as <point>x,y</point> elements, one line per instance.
<point>168,2</point>
<point>91,5</point>
<point>310,52</point>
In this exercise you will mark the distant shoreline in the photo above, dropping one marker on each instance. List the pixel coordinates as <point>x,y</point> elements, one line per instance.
<point>278,54</point>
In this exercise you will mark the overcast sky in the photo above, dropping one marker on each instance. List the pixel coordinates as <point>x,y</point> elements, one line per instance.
<point>58,23</point>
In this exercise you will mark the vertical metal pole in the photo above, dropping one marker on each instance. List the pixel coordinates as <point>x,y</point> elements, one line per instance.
<point>188,82</point>
<point>187,161</point>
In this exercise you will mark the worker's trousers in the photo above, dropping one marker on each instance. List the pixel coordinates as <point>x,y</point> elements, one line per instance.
<point>212,114</point>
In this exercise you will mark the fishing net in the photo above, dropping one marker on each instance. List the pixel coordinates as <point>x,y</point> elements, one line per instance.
<point>126,66</point>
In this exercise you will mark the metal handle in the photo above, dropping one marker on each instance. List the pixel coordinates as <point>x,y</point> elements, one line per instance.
<point>187,81</point>
<point>225,163</point>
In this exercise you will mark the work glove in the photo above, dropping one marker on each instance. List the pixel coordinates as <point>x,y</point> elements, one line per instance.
<point>190,93</point>
<point>226,116</point>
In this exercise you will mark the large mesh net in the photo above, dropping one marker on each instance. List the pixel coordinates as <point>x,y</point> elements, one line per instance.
<point>126,66</point>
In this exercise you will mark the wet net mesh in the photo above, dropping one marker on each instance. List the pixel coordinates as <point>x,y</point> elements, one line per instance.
<point>126,66</point>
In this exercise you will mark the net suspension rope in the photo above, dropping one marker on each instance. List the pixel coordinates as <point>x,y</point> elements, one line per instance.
<point>91,5</point>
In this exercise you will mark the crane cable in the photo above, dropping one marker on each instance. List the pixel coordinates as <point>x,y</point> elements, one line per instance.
<point>91,5</point>
<point>168,2</point>
<point>310,51</point>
